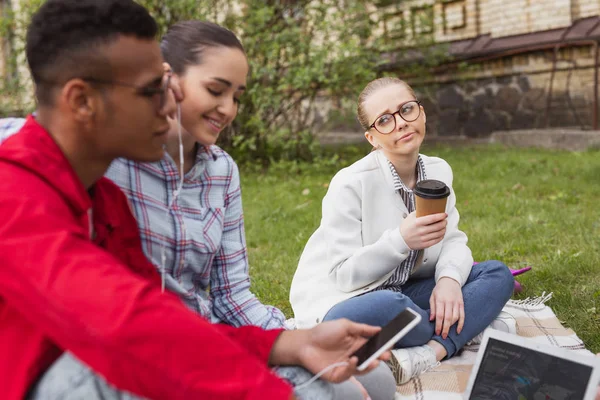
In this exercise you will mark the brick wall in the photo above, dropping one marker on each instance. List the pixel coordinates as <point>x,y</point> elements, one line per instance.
<point>463,19</point>
<point>513,17</point>
<point>456,20</point>
<point>585,8</point>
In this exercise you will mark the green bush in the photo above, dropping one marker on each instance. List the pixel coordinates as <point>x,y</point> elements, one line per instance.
<point>300,53</point>
<point>308,62</point>
<point>14,93</point>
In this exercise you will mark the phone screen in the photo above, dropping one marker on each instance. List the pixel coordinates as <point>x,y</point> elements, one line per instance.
<point>384,335</point>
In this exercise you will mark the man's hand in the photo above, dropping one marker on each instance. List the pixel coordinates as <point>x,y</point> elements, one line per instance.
<point>423,232</point>
<point>447,306</point>
<point>327,343</point>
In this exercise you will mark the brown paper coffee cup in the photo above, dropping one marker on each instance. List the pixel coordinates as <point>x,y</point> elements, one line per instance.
<point>431,197</point>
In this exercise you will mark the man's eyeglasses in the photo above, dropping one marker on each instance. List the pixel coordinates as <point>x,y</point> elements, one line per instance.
<point>386,123</point>
<point>159,93</point>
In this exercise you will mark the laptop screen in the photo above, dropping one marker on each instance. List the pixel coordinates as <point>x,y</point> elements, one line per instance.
<point>511,372</point>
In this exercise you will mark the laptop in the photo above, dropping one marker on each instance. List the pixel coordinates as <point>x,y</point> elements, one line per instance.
<point>511,367</point>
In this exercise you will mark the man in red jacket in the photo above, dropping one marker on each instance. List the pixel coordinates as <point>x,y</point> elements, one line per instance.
<point>79,302</point>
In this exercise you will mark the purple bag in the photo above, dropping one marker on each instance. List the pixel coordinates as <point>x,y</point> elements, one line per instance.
<point>515,272</point>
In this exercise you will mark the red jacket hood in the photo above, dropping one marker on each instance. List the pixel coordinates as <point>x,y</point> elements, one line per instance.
<point>35,150</point>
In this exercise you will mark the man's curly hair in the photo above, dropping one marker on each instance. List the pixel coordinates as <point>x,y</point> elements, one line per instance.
<point>65,39</point>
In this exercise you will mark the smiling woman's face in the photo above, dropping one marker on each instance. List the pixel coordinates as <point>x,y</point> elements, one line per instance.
<point>212,92</point>
<point>408,136</point>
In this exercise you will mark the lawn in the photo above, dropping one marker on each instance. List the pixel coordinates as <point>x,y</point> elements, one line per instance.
<point>521,206</point>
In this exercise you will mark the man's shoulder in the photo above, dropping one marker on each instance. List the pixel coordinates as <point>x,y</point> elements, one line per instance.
<point>108,187</point>
<point>24,189</point>
<point>112,202</point>
<point>20,176</point>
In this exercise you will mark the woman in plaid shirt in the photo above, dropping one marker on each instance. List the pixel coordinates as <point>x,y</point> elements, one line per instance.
<point>201,234</point>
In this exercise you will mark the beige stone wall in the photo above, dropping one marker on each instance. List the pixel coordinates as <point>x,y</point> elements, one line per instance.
<point>463,19</point>
<point>456,20</point>
<point>523,64</point>
<point>513,17</point>
<point>585,8</point>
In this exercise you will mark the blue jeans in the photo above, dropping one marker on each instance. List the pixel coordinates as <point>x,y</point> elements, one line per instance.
<point>488,288</point>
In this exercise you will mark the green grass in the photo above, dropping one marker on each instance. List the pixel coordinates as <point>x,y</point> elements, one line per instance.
<point>521,206</point>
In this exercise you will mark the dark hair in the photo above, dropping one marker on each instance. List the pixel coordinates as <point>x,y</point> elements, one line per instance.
<point>65,37</point>
<point>184,43</point>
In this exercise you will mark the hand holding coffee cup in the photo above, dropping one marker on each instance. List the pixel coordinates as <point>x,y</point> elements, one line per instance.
<point>426,226</point>
<point>423,232</point>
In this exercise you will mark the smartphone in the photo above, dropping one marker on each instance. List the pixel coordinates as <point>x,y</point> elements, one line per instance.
<point>385,339</point>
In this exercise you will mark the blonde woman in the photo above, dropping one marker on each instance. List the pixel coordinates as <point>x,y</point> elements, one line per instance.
<point>370,258</point>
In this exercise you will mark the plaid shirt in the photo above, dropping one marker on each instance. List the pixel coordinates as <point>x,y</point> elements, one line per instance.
<point>202,235</point>
<point>403,271</point>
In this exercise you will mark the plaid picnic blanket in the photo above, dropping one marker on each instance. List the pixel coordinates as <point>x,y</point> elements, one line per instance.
<point>533,319</point>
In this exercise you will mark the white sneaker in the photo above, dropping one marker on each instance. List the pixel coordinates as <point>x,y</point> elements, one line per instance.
<point>410,362</point>
<point>504,322</point>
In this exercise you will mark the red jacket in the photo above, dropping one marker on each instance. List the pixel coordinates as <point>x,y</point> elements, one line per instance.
<point>100,299</point>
